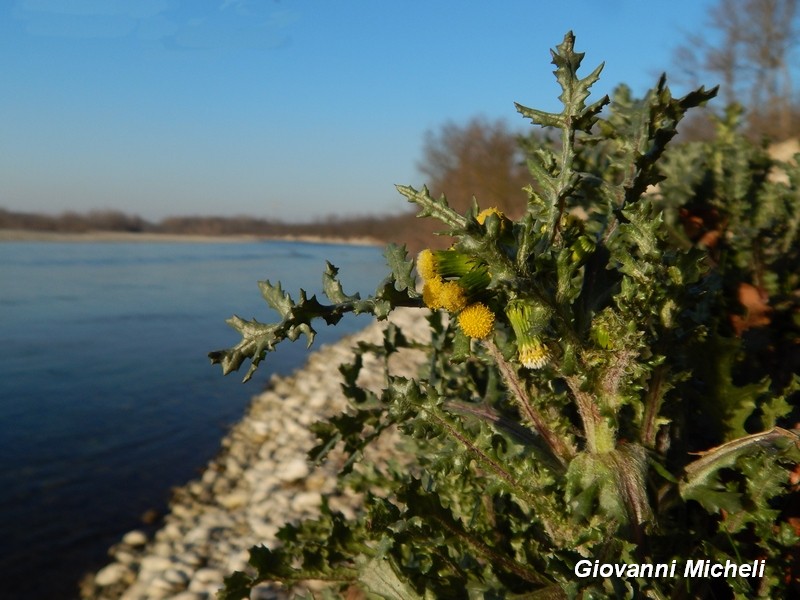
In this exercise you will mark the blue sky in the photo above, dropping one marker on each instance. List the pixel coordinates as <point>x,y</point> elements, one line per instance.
<point>281,109</point>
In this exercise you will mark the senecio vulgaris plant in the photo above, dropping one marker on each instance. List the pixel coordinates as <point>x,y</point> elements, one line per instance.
<point>555,446</point>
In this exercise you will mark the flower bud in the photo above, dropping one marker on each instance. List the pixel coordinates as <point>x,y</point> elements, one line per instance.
<point>529,320</point>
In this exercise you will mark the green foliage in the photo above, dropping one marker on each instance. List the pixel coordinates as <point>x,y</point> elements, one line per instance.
<point>587,397</point>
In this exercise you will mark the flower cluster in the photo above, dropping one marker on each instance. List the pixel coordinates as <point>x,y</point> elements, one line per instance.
<point>451,280</point>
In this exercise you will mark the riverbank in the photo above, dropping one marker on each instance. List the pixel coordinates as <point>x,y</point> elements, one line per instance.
<point>259,480</point>
<point>30,235</point>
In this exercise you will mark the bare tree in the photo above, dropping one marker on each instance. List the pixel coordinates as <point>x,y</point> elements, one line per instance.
<point>746,47</point>
<point>481,159</point>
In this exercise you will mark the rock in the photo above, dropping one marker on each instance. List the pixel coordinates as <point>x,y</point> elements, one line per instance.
<point>208,576</point>
<point>233,500</point>
<point>161,587</point>
<point>176,577</point>
<point>134,538</point>
<point>292,470</point>
<point>189,556</point>
<point>171,531</point>
<point>112,574</point>
<point>260,429</point>
<point>306,502</point>
<point>124,557</point>
<point>190,596</point>
<point>155,564</point>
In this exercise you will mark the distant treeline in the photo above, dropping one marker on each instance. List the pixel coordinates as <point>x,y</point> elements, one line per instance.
<point>402,228</point>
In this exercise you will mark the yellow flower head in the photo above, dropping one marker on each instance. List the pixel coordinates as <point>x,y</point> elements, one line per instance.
<point>426,265</point>
<point>431,290</point>
<point>481,217</point>
<point>452,296</point>
<point>533,354</point>
<point>476,320</point>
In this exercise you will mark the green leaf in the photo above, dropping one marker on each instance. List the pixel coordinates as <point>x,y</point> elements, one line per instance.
<point>567,62</point>
<point>540,117</point>
<point>276,297</point>
<point>402,268</point>
<point>461,347</point>
<point>700,481</point>
<point>508,475</point>
<point>259,338</point>
<point>776,407</point>
<point>332,287</point>
<point>737,402</point>
<point>236,586</point>
<point>575,115</point>
<point>269,564</point>
<point>438,209</point>
<point>380,577</point>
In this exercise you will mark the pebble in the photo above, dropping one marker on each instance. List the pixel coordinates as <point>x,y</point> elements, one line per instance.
<point>293,470</point>
<point>176,577</point>
<point>260,480</point>
<point>190,596</point>
<point>305,502</point>
<point>134,538</point>
<point>112,574</point>
<point>233,500</point>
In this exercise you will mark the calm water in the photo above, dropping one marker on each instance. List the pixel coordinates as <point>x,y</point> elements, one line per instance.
<point>107,398</point>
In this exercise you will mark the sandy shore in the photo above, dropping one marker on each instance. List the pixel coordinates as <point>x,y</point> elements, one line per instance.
<point>24,235</point>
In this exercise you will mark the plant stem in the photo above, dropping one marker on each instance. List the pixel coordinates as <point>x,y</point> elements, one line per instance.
<point>599,436</point>
<point>652,406</point>
<point>560,449</point>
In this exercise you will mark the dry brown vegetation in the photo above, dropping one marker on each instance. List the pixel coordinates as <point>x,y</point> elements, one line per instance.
<point>401,228</point>
<point>748,48</point>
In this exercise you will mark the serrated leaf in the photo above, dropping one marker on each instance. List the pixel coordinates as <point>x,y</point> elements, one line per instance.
<point>276,297</point>
<point>236,586</point>
<point>429,207</point>
<point>332,287</point>
<point>380,577</point>
<point>642,229</point>
<point>574,92</point>
<point>268,564</point>
<point>540,117</point>
<point>402,268</point>
<point>567,62</point>
<point>259,338</point>
<point>461,347</point>
<point>777,406</point>
<point>737,402</point>
<point>700,481</point>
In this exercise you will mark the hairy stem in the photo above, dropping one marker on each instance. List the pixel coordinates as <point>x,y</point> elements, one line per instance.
<point>560,449</point>
<point>599,437</point>
<point>655,395</point>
